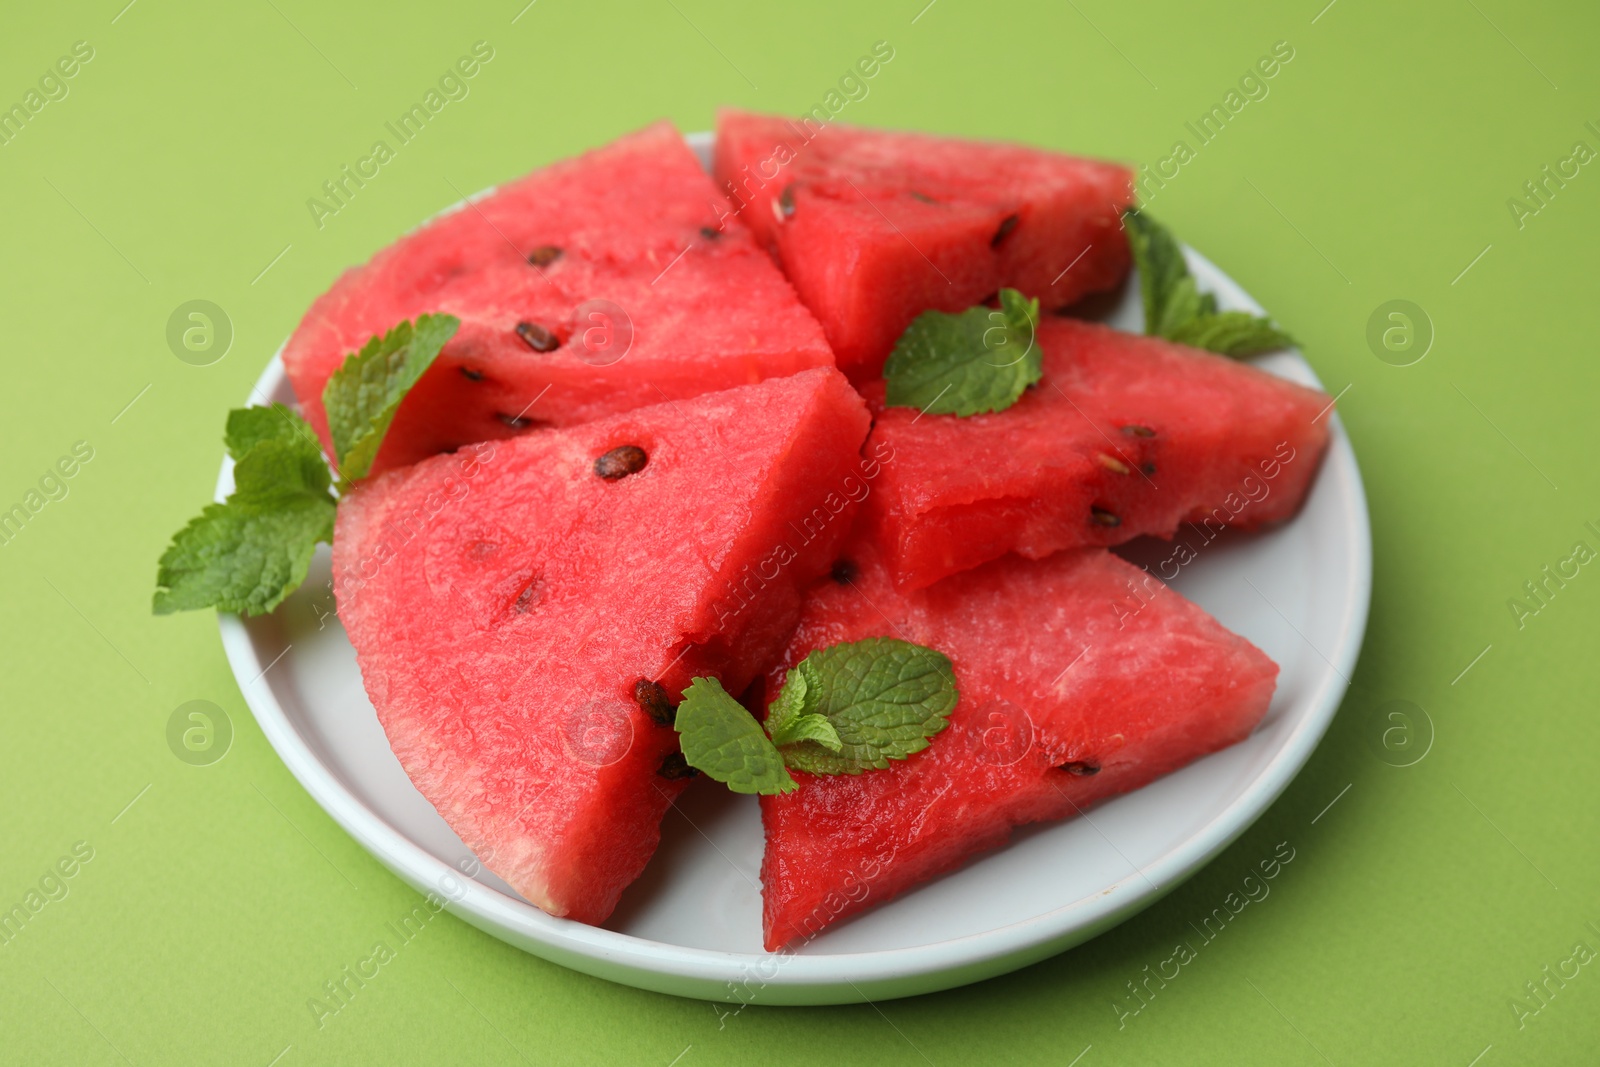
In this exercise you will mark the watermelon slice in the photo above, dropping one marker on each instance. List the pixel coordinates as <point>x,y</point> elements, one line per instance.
<point>875,226</point>
<point>1080,677</point>
<point>605,280</point>
<point>1125,435</point>
<point>526,613</point>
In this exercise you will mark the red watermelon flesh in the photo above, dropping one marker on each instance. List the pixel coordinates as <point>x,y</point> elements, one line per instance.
<point>1125,435</point>
<point>628,258</point>
<point>1080,677</point>
<point>874,227</point>
<point>504,602</point>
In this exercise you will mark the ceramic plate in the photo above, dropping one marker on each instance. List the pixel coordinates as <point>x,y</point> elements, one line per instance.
<point>691,925</point>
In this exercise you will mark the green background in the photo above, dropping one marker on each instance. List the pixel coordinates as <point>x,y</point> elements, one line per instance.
<point>1378,168</point>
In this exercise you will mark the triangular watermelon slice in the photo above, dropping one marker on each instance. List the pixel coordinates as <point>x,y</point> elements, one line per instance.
<point>875,226</point>
<point>614,280</point>
<point>1080,677</point>
<point>526,613</point>
<point>1125,435</point>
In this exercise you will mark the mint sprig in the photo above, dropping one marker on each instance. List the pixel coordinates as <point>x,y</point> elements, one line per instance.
<point>1174,306</point>
<point>251,551</point>
<point>842,710</point>
<point>981,359</point>
<point>362,396</point>
<point>248,553</point>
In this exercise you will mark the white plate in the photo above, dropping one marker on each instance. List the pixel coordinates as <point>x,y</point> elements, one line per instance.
<point>692,925</point>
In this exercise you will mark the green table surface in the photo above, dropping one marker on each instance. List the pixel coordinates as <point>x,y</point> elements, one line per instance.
<point>1433,913</point>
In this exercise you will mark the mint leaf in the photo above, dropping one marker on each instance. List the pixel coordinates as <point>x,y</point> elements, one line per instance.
<point>241,559</point>
<point>883,697</point>
<point>790,705</point>
<point>1168,290</point>
<point>251,552</point>
<point>248,427</point>
<point>812,727</point>
<point>280,473</point>
<point>1174,306</point>
<point>362,396</point>
<point>721,739</point>
<point>978,360</point>
<point>1233,333</point>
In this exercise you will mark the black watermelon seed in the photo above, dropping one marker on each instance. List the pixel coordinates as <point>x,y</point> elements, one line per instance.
<point>675,767</point>
<point>1104,517</point>
<point>924,197</point>
<point>1149,468</point>
<point>786,202</point>
<point>539,339</point>
<point>845,571</point>
<point>516,422</point>
<point>654,700</point>
<point>544,255</point>
<point>710,233</point>
<point>472,375</point>
<point>1138,431</point>
<point>1082,768</point>
<point>621,462</point>
<point>1007,224</point>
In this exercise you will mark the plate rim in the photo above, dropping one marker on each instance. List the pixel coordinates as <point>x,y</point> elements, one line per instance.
<point>831,978</point>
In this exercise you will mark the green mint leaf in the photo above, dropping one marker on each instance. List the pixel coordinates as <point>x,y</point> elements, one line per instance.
<point>790,705</point>
<point>721,739</point>
<point>812,727</point>
<point>1167,288</point>
<point>362,396</point>
<point>1233,333</point>
<point>978,360</point>
<point>280,472</point>
<point>248,427</point>
<point>241,559</point>
<point>251,552</point>
<point>1175,308</point>
<point>883,697</point>
<point>790,721</point>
